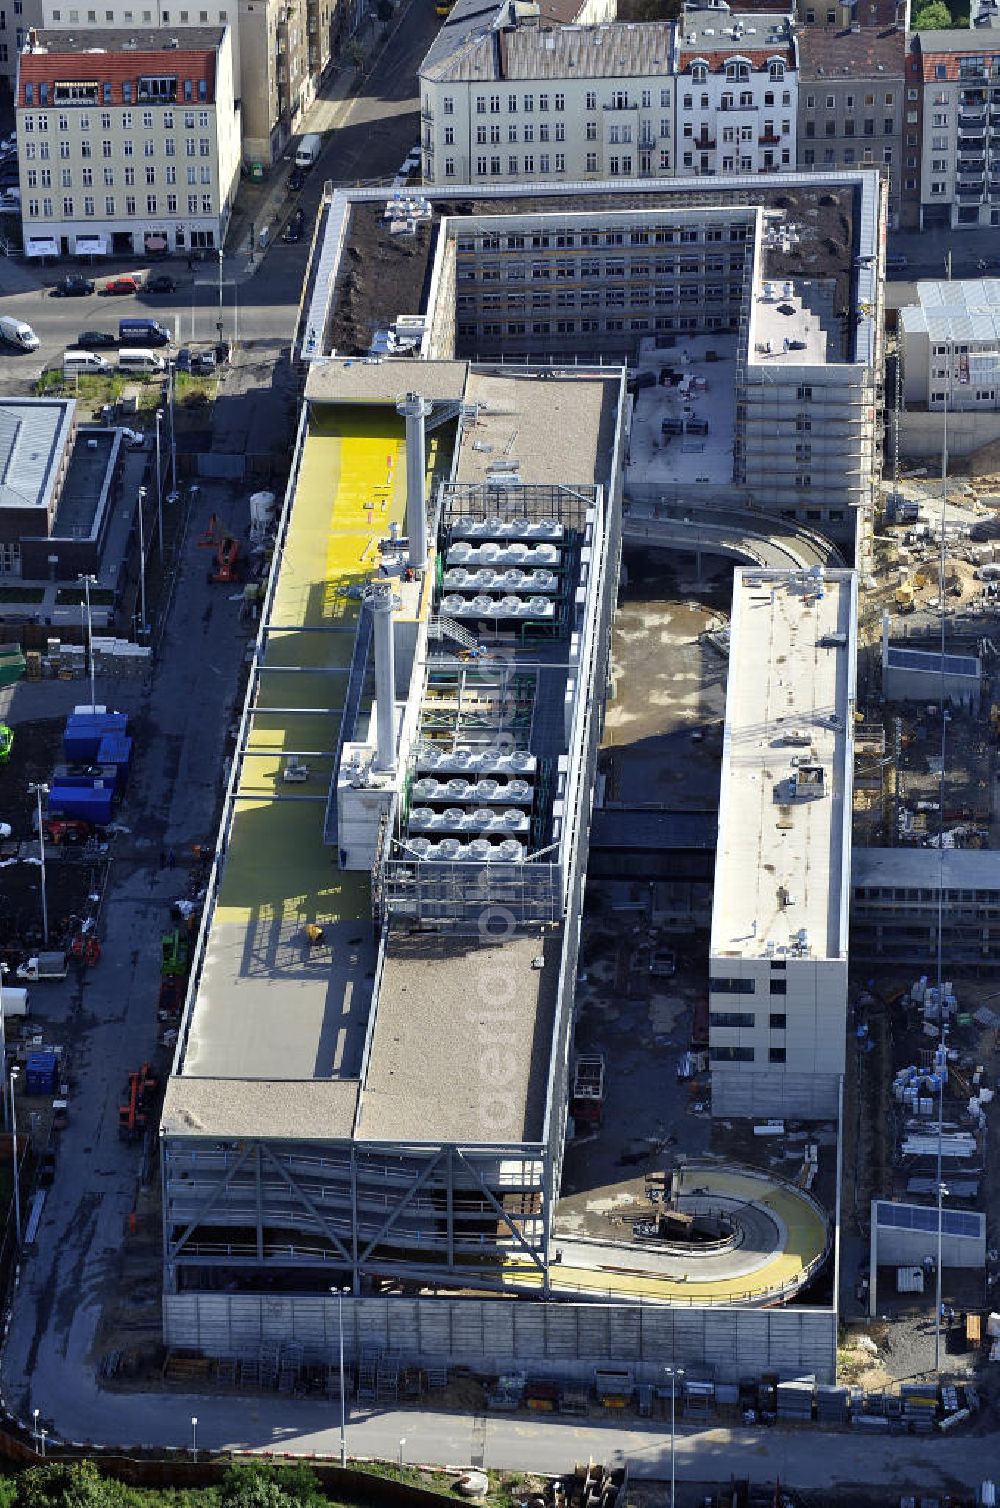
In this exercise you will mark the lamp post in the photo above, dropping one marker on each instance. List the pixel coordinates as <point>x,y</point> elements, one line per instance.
<point>38,790</point>
<point>87,582</point>
<point>942,1190</point>
<point>41,1442</point>
<point>34,1425</point>
<point>673,1373</point>
<point>343,1394</point>
<point>220,322</point>
<point>401,1444</point>
<point>3,1049</point>
<point>17,1178</point>
<point>171,381</point>
<point>142,562</point>
<point>194,1437</point>
<point>159,480</point>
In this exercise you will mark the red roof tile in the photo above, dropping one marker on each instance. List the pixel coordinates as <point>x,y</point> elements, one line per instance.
<point>116,69</point>
<point>757,57</point>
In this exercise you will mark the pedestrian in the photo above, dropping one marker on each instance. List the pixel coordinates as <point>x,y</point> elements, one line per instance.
<point>171,859</point>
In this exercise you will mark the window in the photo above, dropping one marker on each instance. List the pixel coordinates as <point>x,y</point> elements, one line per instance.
<point>63,122</point>
<point>738,71</point>
<point>449,167</point>
<point>591,100</point>
<point>171,175</point>
<point>88,177</point>
<point>203,119</point>
<point>66,178</point>
<point>448,105</point>
<point>804,393</point>
<point>68,208</point>
<point>109,205</point>
<point>207,207</point>
<point>105,149</point>
<point>543,102</point>
<point>529,103</point>
<point>494,104</point>
<point>591,162</point>
<point>192,175</point>
<point>63,149</point>
<point>731,1054</point>
<point>168,147</point>
<point>192,204</point>
<point>780,986</point>
<point>150,175</point>
<point>726,984</point>
<point>776,1055</point>
<point>511,135</point>
<point>127,92</point>
<point>88,204</point>
<point>732,1018</point>
<point>203,146</point>
<point>512,165</point>
<point>129,177</point>
<point>778,1021</point>
<point>560,100</point>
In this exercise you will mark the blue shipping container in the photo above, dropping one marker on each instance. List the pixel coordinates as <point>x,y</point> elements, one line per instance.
<point>88,777</point>
<point>79,801</point>
<point>41,1073</point>
<point>115,748</point>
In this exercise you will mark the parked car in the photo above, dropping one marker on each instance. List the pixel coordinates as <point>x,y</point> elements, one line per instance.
<point>96,340</point>
<point>296,180</point>
<point>162,282</point>
<point>73,285</point>
<point>203,363</point>
<point>123,285</point>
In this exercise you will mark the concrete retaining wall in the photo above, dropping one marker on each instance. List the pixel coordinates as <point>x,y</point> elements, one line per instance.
<point>495,1335</point>
<point>921,434</point>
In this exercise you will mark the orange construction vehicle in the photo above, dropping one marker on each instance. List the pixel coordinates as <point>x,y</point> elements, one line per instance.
<point>142,1086</point>
<point>226,556</point>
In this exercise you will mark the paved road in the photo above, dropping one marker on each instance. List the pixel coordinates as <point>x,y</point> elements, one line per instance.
<point>371,134</point>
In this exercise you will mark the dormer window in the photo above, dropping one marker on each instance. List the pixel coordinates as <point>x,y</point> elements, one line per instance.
<point>738,70</point>
<point>699,71</point>
<point>776,70</point>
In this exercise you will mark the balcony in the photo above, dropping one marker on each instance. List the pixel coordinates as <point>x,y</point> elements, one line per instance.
<point>769,140</point>
<point>969,190</point>
<point>703,143</point>
<point>971,165</point>
<point>972,143</point>
<point>972,118</point>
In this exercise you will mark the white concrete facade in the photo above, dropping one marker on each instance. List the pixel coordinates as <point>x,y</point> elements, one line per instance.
<point>778,951</point>
<point>960,149</point>
<point>127,150</point>
<point>951,346</point>
<point>511,100</point>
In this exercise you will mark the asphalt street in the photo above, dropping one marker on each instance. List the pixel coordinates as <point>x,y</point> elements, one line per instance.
<point>370,134</point>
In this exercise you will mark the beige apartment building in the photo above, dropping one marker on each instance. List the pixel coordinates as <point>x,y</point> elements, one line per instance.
<point>126,146</point>
<point>280,50</point>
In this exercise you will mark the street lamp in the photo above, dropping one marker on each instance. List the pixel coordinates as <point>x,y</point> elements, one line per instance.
<point>17,1178</point>
<point>220,294</point>
<point>3,1049</point>
<point>942,1190</point>
<point>38,790</point>
<point>87,582</point>
<point>673,1373</point>
<point>159,482</point>
<point>34,1425</point>
<point>401,1444</point>
<point>194,1437</point>
<point>142,562</point>
<point>343,1394</point>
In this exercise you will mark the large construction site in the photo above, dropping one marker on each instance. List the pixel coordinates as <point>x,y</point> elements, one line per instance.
<point>412,1067</point>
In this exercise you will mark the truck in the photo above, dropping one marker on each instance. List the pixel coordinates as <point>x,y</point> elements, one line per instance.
<point>308,150</point>
<point>15,1002</point>
<point>43,966</point>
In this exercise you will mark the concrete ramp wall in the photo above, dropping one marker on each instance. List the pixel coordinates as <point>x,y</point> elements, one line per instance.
<point>495,1335</point>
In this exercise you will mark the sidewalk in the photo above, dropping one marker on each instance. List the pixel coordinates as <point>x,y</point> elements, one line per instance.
<point>264,204</point>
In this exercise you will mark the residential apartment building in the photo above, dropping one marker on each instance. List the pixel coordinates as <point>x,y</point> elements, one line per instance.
<point>852,102</point>
<point>951,346</point>
<point>125,145</point>
<point>960,158</point>
<point>16,17</point>
<point>513,99</point>
<point>280,50</point>
<point>736,92</point>
<point>519,102</point>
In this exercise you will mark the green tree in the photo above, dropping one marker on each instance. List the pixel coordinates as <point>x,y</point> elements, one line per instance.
<point>69,1485</point>
<point>264,1486</point>
<point>934,16</point>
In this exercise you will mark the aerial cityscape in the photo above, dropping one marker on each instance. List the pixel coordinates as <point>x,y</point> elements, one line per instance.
<point>500,753</point>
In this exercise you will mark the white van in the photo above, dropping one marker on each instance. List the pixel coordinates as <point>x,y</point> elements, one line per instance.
<point>137,360</point>
<point>16,333</point>
<point>84,362</point>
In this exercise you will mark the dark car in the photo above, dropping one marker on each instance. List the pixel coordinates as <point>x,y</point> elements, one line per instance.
<point>296,180</point>
<point>97,340</point>
<point>73,286</point>
<point>161,283</point>
<point>182,361</point>
<point>47,1168</point>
